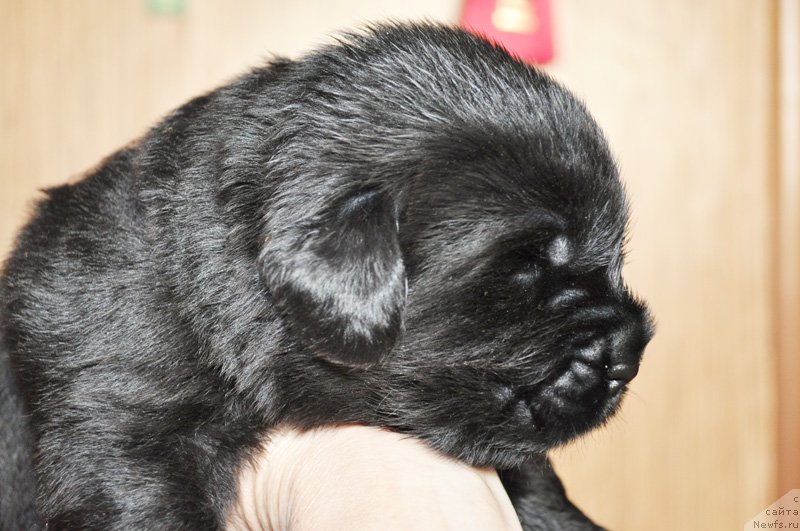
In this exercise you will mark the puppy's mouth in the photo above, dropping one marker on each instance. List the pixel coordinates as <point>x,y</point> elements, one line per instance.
<point>586,388</point>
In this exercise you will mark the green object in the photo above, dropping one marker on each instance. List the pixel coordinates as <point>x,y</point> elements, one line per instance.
<point>166,7</point>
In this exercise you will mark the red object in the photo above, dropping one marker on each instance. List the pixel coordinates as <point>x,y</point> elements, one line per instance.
<point>523,27</point>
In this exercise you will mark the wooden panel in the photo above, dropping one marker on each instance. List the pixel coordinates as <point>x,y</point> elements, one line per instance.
<point>80,78</point>
<point>787,244</point>
<point>683,88</point>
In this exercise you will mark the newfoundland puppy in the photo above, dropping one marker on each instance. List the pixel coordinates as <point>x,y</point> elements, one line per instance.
<point>409,229</point>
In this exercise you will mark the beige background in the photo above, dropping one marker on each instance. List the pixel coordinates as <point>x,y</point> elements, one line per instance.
<point>687,91</point>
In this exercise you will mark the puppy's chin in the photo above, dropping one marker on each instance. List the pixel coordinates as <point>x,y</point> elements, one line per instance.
<point>502,426</point>
<point>554,415</point>
<point>565,411</point>
<point>535,423</point>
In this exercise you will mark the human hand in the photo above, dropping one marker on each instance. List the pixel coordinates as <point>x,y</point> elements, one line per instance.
<point>357,477</point>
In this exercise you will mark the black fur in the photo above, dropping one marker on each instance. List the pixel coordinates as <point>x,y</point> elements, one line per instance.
<point>408,229</point>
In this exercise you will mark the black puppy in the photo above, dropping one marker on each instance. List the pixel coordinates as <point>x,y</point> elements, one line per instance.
<point>408,229</point>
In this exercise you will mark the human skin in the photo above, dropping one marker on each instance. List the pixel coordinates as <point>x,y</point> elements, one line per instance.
<point>357,477</point>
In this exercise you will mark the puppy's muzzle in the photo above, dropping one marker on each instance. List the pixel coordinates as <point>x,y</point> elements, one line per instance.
<point>617,334</point>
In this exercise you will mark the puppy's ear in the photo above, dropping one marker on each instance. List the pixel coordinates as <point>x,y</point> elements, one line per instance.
<point>338,276</point>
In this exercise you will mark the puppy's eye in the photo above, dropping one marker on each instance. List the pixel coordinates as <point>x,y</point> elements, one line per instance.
<point>526,276</point>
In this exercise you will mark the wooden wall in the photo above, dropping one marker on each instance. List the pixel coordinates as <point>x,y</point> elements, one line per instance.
<point>786,282</point>
<point>686,91</point>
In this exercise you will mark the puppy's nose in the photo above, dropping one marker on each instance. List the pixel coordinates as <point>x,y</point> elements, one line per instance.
<point>627,345</point>
<point>623,372</point>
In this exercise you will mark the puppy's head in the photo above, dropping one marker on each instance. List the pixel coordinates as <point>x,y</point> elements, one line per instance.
<point>448,242</point>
